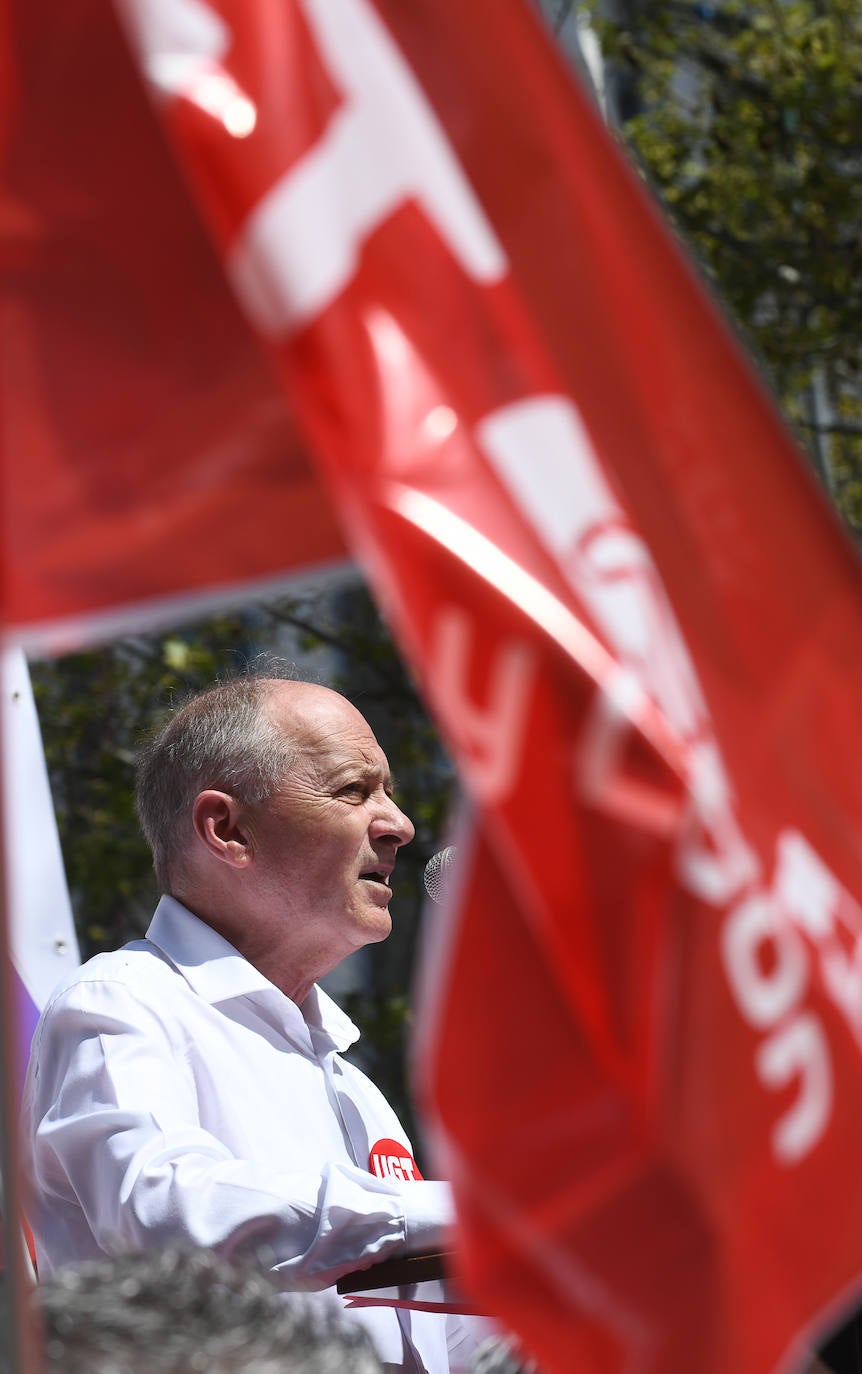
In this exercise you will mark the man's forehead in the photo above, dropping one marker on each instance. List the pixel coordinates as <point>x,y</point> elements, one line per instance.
<point>321,722</point>
<point>307,705</point>
<point>340,756</point>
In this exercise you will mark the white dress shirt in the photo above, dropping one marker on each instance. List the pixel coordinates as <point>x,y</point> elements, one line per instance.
<point>174,1094</point>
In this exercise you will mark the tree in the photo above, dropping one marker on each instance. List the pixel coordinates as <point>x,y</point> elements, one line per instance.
<point>746,123</point>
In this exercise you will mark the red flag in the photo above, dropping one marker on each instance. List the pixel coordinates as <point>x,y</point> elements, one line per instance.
<point>148,453</point>
<point>635,622</point>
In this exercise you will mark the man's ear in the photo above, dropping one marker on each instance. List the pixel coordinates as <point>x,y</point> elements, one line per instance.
<point>216,819</point>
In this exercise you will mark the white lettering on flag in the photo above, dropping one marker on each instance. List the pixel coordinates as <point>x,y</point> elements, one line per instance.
<point>384,146</point>
<point>493,729</point>
<point>799,1051</point>
<point>182,44</point>
<point>542,452</point>
<point>819,905</point>
<point>768,992</point>
<point>177,41</point>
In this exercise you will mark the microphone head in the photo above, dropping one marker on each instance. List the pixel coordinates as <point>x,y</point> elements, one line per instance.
<point>437,873</point>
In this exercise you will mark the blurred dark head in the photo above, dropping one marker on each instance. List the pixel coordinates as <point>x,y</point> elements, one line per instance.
<point>188,1312</point>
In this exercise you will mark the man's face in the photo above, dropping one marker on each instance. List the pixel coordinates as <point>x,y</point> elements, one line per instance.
<point>324,846</point>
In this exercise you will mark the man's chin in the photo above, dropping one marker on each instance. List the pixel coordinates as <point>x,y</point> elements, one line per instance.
<point>379,927</point>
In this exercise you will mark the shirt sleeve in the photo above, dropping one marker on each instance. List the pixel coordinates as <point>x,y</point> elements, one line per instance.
<point>113,1146</point>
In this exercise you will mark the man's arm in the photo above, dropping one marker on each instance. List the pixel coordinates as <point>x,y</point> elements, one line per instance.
<point>117,1158</point>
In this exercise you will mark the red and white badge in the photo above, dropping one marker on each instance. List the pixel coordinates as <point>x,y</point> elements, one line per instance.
<point>391,1159</point>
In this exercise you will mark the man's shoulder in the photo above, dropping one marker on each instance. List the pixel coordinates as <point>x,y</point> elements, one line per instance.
<point>138,968</point>
<point>130,991</point>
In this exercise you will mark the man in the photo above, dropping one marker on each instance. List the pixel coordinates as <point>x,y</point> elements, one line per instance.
<point>189,1087</point>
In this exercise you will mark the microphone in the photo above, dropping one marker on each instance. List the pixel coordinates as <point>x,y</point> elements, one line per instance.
<point>437,873</point>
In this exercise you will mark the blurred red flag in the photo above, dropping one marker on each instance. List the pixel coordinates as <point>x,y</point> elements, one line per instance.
<point>149,459</point>
<point>636,623</point>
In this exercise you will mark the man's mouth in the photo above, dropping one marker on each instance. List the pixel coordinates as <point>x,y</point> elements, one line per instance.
<point>377,875</point>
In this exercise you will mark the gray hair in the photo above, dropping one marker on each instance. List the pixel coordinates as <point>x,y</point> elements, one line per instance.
<point>182,1310</point>
<point>220,738</point>
<point>501,1355</point>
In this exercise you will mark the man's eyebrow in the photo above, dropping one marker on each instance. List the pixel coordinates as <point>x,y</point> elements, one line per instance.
<point>386,776</point>
<point>366,770</point>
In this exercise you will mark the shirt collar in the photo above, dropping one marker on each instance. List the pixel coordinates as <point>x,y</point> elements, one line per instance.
<point>216,971</point>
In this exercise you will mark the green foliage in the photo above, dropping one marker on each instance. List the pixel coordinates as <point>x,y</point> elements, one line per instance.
<point>384,1019</point>
<point>749,128</point>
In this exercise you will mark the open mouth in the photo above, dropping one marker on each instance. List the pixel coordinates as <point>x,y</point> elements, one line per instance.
<point>374,875</point>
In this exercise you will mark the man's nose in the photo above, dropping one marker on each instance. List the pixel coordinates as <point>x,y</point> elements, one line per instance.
<point>392,823</point>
